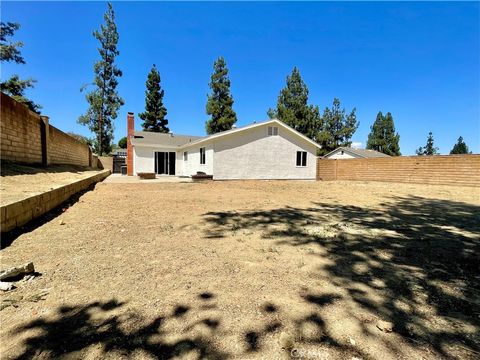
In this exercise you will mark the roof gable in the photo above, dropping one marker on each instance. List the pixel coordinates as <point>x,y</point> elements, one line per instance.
<point>361,153</point>
<point>251,126</point>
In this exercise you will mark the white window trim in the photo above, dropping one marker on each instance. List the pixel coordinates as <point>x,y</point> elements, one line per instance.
<point>306,159</point>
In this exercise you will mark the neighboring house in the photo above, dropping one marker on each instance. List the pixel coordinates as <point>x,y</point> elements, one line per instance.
<point>120,152</point>
<point>351,153</point>
<point>265,150</point>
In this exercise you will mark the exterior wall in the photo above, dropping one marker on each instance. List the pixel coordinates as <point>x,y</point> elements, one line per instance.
<point>251,154</point>
<point>64,149</point>
<point>192,165</point>
<point>27,137</point>
<point>144,159</point>
<point>339,155</point>
<point>463,170</point>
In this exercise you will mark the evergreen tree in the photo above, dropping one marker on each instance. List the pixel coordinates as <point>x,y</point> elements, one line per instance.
<point>337,128</point>
<point>104,101</point>
<point>10,52</point>
<point>382,135</point>
<point>429,148</point>
<point>155,112</point>
<point>460,147</point>
<point>220,102</point>
<point>293,110</point>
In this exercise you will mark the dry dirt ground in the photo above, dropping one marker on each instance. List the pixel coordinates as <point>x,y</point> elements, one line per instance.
<point>250,270</point>
<point>18,182</point>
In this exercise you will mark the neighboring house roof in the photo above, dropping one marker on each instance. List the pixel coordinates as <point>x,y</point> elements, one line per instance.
<point>361,153</point>
<point>148,138</point>
<point>250,126</point>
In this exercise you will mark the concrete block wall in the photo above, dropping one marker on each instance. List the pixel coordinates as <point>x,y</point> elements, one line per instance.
<point>27,137</point>
<point>64,149</point>
<point>461,170</point>
<point>20,132</point>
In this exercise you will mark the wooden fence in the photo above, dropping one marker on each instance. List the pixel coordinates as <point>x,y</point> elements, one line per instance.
<point>462,170</point>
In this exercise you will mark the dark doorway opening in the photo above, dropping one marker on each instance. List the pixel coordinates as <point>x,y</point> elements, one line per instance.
<point>164,163</point>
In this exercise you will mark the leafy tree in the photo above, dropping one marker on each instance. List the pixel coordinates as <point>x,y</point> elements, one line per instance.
<point>382,135</point>
<point>104,101</point>
<point>292,107</point>
<point>220,101</point>
<point>155,112</point>
<point>122,143</point>
<point>429,148</point>
<point>337,128</point>
<point>460,147</point>
<point>10,52</point>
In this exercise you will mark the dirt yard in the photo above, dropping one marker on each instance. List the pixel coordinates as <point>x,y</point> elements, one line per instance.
<point>250,270</point>
<point>18,182</point>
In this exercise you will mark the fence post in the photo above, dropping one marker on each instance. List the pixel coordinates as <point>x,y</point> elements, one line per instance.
<point>45,135</point>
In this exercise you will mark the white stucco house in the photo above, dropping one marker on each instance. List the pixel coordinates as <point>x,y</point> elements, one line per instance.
<point>263,150</point>
<point>352,153</point>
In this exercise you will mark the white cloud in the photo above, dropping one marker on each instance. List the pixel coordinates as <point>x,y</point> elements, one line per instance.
<point>356,145</point>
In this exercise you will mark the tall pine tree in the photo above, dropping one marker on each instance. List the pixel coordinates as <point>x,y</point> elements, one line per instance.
<point>104,101</point>
<point>10,52</point>
<point>293,109</point>
<point>429,148</point>
<point>382,135</point>
<point>338,128</point>
<point>460,147</point>
<point>220,101</point>
<point>154,116</point>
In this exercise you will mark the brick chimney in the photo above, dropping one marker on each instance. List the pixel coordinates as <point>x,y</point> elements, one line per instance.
<point>130,130</point>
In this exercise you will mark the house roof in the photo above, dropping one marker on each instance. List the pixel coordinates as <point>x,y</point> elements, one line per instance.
<point>362,153</point>
<point>250,126</point>
<point>148,138</point>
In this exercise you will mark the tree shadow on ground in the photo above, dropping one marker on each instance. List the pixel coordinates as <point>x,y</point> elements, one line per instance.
<point>113,329</point>
<point>419,257</point>
<point>110,329</point>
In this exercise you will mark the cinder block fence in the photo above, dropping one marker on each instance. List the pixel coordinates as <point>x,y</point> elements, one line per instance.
<point>462,170</point>
<point>27,137</point>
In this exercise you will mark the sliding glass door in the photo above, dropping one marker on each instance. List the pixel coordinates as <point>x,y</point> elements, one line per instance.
<point>164,163</point>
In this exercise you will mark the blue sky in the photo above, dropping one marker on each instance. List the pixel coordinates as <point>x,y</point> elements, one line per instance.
<point>420,61</point>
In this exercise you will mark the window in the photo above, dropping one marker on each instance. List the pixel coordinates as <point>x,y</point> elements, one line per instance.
<point>185,155</point>
<point>272,131</point>
<point>202,156</point>
<point>301,158</point>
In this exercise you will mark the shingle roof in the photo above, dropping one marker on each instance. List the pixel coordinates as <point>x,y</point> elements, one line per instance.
<point>147,138</point>
<point>363,153</point>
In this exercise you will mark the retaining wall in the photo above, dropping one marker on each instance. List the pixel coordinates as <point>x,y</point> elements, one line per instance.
<point>19,213</point>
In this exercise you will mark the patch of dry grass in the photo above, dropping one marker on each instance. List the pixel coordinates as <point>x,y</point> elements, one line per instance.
<point>252,270</point>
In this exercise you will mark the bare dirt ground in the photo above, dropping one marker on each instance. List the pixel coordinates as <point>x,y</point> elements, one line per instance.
<point>251,270</point>
<point>18,182</point>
